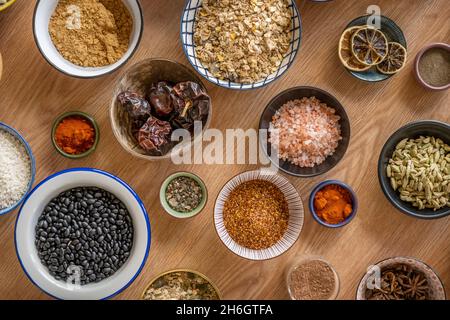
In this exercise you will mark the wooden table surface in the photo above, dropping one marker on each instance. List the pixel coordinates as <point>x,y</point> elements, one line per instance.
<point>33,94</point>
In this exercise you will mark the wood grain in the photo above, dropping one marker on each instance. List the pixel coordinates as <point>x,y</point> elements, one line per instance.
<point>33,94</point>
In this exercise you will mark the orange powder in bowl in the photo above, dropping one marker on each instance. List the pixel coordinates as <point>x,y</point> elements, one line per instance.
<point>75,135</point>
<point>333,204</point>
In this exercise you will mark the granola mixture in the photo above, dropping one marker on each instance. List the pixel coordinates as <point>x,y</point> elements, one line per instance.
<point>256,214</point>
<point>181,285</point>
<point>242,41</point>
<point>305,132</point>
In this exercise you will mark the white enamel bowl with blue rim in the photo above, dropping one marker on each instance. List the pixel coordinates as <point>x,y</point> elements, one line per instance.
<point>41,18</point>
<point>19,137</point>
<point>295,222</point>
<point>187,39</point>
<point>32,208</point>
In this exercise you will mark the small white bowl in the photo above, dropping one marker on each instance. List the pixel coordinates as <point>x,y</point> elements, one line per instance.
<point>41,18</point>
<point>295,223</point>
<point>31,210</point>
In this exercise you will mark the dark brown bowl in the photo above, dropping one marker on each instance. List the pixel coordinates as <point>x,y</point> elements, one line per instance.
<point>323,96</point>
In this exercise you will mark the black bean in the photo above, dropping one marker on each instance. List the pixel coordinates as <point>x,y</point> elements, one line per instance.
<point>72,230</point>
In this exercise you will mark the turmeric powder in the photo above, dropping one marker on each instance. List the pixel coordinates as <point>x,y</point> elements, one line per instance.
<point>333,204</point>
<point>75,135</point>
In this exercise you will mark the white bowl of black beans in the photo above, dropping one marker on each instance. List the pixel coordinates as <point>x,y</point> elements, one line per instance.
<point>82,234</point>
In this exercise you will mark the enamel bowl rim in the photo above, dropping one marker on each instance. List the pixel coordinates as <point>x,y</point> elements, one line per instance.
<point>124,277</point>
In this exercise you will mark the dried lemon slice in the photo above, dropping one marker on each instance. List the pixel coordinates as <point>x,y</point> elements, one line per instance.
<point>369,46</point>
<point>395,60</point>
<point>345,51</point>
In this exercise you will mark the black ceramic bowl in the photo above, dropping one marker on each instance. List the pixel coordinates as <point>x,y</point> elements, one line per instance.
<point>412,130</point>
<point>298,93</point>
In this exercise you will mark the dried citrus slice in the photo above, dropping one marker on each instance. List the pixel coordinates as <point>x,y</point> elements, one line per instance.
<point>369,45</point>
<point>395,60</point>
<point>345,51</point>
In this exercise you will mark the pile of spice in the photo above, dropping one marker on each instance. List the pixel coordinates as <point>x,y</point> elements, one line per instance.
<point>165,107</point>
<point>181,285</point>
<point>15,170</point>
<point>434,67</point>
<point>420,171</point>
<point>400,282</point>
<point>91,33</point>
<point>242,40</point>
<point>305,132</point>
<point>184,194</point>
<point>313,280</point>
<point>75,135</point>
<point>87,228</point>
<point>256,214</point>
<point>333,204</point>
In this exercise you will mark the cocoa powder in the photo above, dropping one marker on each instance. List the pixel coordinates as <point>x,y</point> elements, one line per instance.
<point>91,33</point>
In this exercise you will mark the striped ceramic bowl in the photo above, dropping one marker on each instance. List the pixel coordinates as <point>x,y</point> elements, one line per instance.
<point>187,39</point>
<point>296,215</point>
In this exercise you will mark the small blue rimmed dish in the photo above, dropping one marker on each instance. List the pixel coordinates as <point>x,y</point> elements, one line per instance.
<point>392,32</point>
<point>187,29</point>
<point>354,200</point>
<point>25,144</point>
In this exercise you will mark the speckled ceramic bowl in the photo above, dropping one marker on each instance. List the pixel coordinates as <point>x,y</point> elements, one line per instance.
<point>392,32</point>
<point>437,291</point>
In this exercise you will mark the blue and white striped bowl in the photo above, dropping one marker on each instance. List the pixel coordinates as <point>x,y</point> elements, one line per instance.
<point>295,223</point>
<point>187,38</point>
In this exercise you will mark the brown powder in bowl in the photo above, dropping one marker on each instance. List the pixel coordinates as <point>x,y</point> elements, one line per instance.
<point>434,67</point>
<point>91,33</point>
<point>312,280</point>
<point>256,214</point>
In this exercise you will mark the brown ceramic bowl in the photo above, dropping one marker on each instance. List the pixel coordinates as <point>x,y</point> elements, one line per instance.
<point>139,77</point>
<point>416,66</point>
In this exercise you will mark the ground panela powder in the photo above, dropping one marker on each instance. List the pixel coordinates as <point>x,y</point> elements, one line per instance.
<point>91,33</point>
